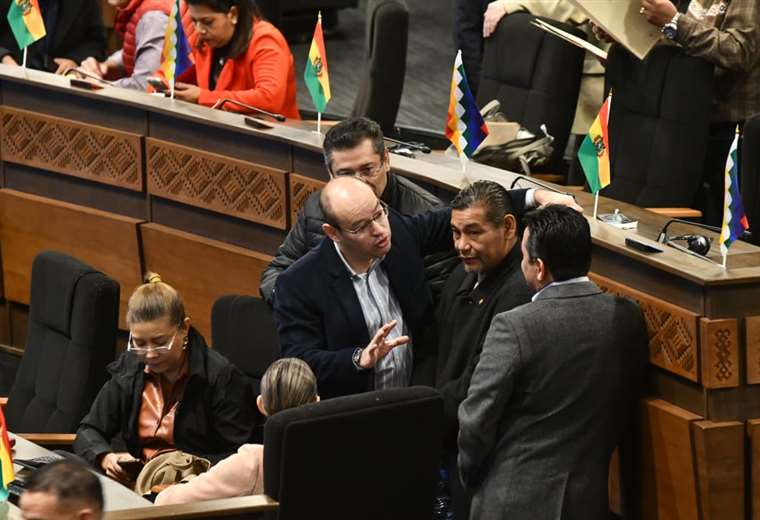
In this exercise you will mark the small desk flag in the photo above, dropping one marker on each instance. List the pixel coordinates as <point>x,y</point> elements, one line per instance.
<point>26,22</point>
<point>6,463</point>
<point>594,153</point>
<point>734,219</point>
<point>316,75</point>
<point>175,56</point>
<point>465,127</point>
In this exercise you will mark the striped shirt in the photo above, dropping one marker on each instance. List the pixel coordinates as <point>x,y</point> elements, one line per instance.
<point>379,306</point>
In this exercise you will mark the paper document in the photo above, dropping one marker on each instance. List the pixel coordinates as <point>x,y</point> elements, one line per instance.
<point>623,22</point>
<point>578,42</point>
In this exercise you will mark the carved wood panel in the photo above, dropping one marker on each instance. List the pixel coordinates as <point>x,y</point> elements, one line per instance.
<point>720,353</point>
<point>752,329</point>
<point>673,338</point>
<point>719,457</point>
<point>217,183</point>
<point>300,189</point>
<point>61,145</point>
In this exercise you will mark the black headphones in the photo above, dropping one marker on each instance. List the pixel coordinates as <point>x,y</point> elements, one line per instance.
<point>697,244</point>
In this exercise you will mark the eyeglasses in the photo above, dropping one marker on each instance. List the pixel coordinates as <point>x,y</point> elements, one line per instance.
<point>158,349</point>
<point>381,213</point>
<point>365,172</point>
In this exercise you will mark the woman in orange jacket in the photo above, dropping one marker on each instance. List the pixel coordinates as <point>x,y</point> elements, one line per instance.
<point>239,56</point>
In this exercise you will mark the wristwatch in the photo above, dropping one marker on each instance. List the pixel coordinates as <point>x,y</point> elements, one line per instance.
<point>670,29</point>
<point>356,358</point>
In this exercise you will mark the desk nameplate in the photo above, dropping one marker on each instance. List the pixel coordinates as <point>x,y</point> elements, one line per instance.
<point>73,148</point>
<point>218,183</point>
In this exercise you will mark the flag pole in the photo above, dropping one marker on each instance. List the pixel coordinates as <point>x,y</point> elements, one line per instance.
<point>171,83</point>
<point>725,255</point>
<point>596,203</point>
<point>319,123</point>
<point>23,61</point>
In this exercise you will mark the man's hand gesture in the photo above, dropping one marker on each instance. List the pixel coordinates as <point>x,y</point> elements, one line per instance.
<point>379,347</point>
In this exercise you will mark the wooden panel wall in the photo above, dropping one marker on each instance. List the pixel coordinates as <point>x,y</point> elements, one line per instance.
<point>673,331</point>
<point>300,189</point>
<point>30,224</point>
<point>719,453</point>
<point>668,469</point>
<point>65,146</point>
<point>752,346</point>
<point>202,270</point>
<point>719,341</point>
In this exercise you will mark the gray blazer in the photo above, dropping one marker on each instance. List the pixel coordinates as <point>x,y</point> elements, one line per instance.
<point>553,392</point>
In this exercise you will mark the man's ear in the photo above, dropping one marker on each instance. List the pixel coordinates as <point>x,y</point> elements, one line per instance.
<point>331,232</point>
<point>510,225</point>
<point>540,270</point>
<point>86,514</point>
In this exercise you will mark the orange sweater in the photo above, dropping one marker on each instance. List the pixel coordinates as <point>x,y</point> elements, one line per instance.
<point>264,76</point>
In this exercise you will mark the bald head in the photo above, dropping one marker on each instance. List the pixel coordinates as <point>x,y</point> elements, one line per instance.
<point>341,196</point>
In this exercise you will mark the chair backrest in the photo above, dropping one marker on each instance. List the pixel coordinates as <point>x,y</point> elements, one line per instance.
<point>371,456</point>
<point>535,76</point>
<point>244,331</point>
<point>73,321</point>
<point>658,125</point>
<point>379,95</point>
<point>749,176</point>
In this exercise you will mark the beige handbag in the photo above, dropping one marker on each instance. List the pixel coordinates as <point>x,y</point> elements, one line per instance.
<point>170,468</point>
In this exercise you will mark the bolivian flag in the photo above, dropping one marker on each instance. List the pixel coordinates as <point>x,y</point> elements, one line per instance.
<point>315,76</point>
<point>26,22</point>
<point>594,153</point>
<point>6,464</point>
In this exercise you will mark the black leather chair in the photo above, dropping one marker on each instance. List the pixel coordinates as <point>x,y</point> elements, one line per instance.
<point>749,175</point>
<point>370,456</point>
<point>73,320</point>
<point>244,331</point>
<point>535,76</point>
<point>382,84</point>
<point>658,125</point>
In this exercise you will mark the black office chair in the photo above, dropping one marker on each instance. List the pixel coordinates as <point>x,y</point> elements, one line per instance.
<point>749,175</point>
<point>244,331</point>
<point>658,125</point>
<point>370,456</point>
<point>535,76</point>
<point>379,95</point>
<point>73,320</point>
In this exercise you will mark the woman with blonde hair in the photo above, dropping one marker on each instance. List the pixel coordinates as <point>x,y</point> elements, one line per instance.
<point>287,383</point>
<point>168,391</point>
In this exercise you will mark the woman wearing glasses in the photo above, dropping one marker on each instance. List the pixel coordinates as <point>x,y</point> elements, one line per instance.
<point>237,56</point>
<point>168,391</point>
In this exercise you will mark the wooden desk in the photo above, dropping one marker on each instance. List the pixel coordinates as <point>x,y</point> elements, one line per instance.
<point>116,496</point>
<point>224,195</point>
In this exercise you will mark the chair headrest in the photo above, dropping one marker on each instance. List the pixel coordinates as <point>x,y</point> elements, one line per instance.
<point>54,280</point>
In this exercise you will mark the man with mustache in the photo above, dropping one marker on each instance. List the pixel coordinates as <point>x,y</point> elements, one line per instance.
<point>487,282</point>
<point>357,307</point>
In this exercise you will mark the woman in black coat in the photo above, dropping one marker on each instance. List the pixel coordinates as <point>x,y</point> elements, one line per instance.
<point>168,391</point>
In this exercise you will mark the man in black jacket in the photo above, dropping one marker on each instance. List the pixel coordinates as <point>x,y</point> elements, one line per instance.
<point>487,282</point>
<point>355,147</point>
<point>74,31</point>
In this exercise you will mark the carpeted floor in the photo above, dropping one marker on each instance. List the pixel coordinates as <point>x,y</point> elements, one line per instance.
<point>428,71</point>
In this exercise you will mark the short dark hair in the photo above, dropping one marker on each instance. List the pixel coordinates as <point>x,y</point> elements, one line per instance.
<point>350,133</point>
<point>561,237</point>
<point>69,481</point>
<point>491,195</point>
<point>248,11</point>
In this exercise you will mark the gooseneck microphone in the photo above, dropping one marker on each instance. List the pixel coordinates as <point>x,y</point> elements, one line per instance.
<point>277,117</point>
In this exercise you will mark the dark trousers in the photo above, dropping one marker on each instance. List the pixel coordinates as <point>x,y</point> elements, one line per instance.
<point>460,498</point>
<point>468,36</point>
<point>713,172</point>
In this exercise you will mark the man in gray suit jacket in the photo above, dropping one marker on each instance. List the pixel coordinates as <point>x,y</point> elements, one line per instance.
<point>555,387</point>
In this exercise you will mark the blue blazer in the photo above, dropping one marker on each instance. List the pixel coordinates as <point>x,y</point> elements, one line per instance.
<point>319,317</point>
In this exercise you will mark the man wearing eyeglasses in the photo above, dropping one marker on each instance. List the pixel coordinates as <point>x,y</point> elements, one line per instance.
<point>355,147</point>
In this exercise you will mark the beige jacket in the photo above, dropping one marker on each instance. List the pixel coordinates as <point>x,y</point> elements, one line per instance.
<point>238,475</point>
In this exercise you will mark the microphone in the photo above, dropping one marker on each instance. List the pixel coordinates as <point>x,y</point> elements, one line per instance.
<point>420,147</point>
<point>87,75</point>
<point>541,185</point>
<point>696,245</point>
<point>220,103</point>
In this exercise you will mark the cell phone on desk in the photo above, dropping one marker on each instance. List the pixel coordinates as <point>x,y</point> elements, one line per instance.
<point>132,467</point>
<point>158,84</point>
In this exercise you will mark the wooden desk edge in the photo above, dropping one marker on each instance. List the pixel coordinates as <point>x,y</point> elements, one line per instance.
<point>205,509</point>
